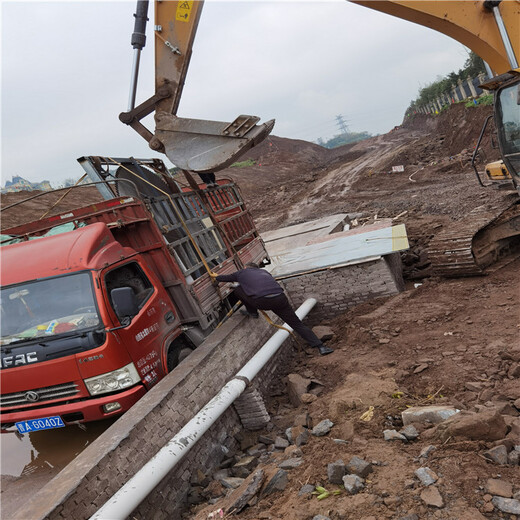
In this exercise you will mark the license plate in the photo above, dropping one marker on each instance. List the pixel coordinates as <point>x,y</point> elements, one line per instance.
<point>34,425</point>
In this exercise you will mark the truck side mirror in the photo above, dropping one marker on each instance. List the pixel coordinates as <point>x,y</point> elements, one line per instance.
<point>125,302</point>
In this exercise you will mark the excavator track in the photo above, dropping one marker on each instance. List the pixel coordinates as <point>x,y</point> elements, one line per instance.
<point>467,248</point>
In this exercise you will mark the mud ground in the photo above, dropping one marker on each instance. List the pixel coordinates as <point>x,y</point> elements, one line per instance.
<point>462,330</point>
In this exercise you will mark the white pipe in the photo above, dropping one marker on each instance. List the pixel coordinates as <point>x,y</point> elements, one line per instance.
<point>148,477</point>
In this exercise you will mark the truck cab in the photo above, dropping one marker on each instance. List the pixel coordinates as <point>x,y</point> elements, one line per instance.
<point>98,302</point>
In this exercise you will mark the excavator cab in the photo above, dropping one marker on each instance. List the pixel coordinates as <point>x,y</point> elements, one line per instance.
<point>507,112</point>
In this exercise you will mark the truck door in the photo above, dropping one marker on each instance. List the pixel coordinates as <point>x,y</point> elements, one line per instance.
<point>144,337</point>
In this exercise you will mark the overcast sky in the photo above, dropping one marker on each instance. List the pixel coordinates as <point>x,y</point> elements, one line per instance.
<point>66,73</point>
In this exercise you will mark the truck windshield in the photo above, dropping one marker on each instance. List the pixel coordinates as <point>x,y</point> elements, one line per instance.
<point>47,308</point>
<point>508,105</point>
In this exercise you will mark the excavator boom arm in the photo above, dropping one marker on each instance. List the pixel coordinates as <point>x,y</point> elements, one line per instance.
<point>474,23</point>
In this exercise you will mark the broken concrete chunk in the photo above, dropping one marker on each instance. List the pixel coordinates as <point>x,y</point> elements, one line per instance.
<point>353,484</point>
<point>336,471</point>
<point>426,476</point>
<point>431,497</point>
<point>359,467</point>
<point>427,414</point>
<point>296,386</point>
<point>502,488</point>
<point>324,333</point>
<point>507,505</point>
<point>394,435</point>
<point>497,454</point>
<point>322,428</point>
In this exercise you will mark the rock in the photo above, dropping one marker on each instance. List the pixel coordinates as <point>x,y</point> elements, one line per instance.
<point>359,467</point>
<point>426,451</point>
<point>324,333</point>
<point>298,435</point>
<point>507,505</point>
<point>410,432</point>
<point>231,482</point>
<point>292,452</point>
<point>488,507</point>
<point>303,419</point>
<point>245,496</point>
<point>516,404</point>
<point>345,430</point>
<point>306,490</point>
<point>222,473</point>
<point>280,443</point>
<point>353,484</point>
<point>336,471</point>
<point>322,428</point>
<point>308,398</point>
<point>420,368</point>
<point>320,517</point>
<point>296,386</point>
<point>513,458</point>
<point>428,414</point>
<point>393,435</point>
<point>277,482</point>
<point>392,501</point>
<point>265,440</point>
<point>195,496</point>
<point>290,463</point>
<point>497,454</point>
<point>426,476</point>
<point>502,488</point>
<point>244,467</point>
<point>473,386</point>
<point>431,497</point>
<point>384,341</point>
<point>482,426</point>
<point>486,395</point>
<point>514,371</point>
<point>413,516</point>
<point>199,479</point>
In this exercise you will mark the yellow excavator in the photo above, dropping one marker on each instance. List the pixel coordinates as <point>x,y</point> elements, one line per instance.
<point>490,28</point>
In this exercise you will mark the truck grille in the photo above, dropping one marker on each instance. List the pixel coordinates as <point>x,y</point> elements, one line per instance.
<point>39,395</point>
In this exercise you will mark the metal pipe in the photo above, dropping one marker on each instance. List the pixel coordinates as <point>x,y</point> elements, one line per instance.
<point>133,79</point>
<point>121,505</point>
<point>505,38</point>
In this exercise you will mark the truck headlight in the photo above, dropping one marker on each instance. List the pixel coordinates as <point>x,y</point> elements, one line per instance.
<point>113,381</point>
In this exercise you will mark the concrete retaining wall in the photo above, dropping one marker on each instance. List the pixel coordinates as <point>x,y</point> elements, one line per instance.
<point>103,467</point>
<point>339,288</point>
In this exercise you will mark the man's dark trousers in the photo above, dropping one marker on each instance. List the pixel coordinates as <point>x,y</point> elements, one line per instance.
<point>280,305</point>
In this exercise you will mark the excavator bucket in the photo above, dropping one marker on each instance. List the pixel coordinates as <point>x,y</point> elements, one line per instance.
<point>208,146</point>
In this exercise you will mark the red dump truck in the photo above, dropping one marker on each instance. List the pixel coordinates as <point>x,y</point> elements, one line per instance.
<point>97,303</point>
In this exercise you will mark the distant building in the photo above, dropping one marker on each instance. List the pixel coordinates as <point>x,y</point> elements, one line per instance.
<point>20,184</point>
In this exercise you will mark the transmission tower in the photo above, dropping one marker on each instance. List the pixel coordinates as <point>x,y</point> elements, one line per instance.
<point>342,124</point>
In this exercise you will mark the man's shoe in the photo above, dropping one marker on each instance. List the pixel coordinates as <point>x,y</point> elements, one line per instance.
<point>249,314</point>
<point>323,350</point>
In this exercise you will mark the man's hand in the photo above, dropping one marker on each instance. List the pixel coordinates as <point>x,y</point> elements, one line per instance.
<point>213,276</point>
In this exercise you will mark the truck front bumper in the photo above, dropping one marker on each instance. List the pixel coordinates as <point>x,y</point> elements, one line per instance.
<point>86,410</point>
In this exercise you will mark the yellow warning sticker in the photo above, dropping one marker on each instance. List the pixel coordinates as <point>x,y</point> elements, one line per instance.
<point>184,10</point>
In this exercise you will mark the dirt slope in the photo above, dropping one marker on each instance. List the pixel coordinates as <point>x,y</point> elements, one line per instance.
<point>447,342</point>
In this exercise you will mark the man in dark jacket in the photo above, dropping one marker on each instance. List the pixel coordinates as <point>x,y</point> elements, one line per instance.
<point>259,290</point>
